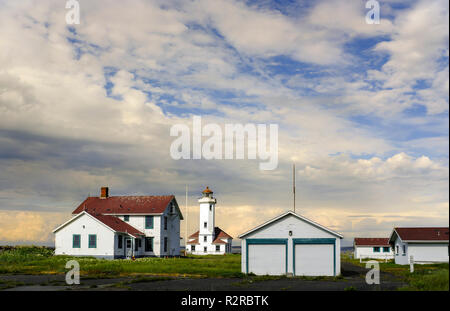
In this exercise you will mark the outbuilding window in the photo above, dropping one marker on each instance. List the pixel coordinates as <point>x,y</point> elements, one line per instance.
<point>205,239</point>
<point>385,249</point>
<point>193,248</point>
<point>76,241</point>
<point>217,248</point>
<point>92,241</point>
<point>376,249</point>
<point>205,224</point>
<point>205,249</point>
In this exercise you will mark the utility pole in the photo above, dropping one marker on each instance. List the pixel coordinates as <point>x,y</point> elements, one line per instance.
<point>293,182</point>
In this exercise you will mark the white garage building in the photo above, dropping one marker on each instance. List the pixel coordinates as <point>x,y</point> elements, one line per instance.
<point>291,244</point>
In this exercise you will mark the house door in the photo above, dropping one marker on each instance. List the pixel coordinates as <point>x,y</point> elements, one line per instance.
<point>128,248</point>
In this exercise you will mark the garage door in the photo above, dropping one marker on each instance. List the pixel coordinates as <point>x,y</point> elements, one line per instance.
<point>267,259</point>
<point>314,259</point>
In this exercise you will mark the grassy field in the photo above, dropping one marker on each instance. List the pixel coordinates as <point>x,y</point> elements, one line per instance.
<point>430,277</point>
<point>40,260</point>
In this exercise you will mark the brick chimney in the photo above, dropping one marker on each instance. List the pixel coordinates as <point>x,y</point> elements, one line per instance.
<point>104,192</point>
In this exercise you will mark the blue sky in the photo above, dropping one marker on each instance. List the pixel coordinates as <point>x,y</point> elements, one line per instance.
<point>362,109</point>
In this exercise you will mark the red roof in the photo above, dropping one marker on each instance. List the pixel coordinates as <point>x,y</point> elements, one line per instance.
<point>372,241</point>
<point>194,235</point>
<point>218,234</point>
<point>423,234</point>
<point>116,224</point>
<point>123,205</point>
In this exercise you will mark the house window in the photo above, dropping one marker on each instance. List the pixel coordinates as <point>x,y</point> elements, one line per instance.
<point>205,239</point>
<point>193,248</point>
<point>165,222</point>
<point>171,208</point>
<point>210,207</point>
<point>128,243</point>
<point>139,243</point>
<point>205,224</point>
<point>136,244</point>
<point>376,249</point>
<point>120,241</point>
<point>205,249</point>
<point>165,244</point>
<point>126,218</point>
<point>404,249</point>
<point>385,249</point>
<point>217,248</point>
<point>76,241</point>
<point>92,241</point>
<point>148,222</point>
<point>149,244</point>
<point>396,249</point>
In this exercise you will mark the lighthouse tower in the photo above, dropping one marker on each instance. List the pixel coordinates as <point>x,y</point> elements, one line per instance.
<point>209,239</point>
<point>207,215</point>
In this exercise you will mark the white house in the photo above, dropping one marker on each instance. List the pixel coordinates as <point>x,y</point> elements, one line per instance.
<point>209,239</point>
<point>121,227</point>
<point>377,248</point>
<point>291,244</point>
<point>424,245</point>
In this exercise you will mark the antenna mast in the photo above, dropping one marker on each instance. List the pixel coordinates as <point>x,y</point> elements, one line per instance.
<point>186,233</point>
<point>293,182</point>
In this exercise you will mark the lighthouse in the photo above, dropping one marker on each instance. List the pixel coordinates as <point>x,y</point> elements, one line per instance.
<point>209,239</point>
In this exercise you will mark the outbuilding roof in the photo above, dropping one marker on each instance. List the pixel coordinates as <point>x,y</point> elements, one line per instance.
<point>424,234</point>
<point>218,234</point>
<point>372,241</point>
<point>123,205</point>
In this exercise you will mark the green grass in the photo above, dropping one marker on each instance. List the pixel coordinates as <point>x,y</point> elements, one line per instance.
<point>40,260</point>
<point>429,277</point>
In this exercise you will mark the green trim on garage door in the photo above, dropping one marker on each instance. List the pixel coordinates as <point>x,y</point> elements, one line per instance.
<point>314,241</point>
<point>265,242</point>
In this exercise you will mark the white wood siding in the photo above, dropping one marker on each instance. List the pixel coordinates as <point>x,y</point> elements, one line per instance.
<point>85,225</point>
<point>368,252</point>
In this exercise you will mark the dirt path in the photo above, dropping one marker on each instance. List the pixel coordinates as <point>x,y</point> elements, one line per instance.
<point>353,277</point>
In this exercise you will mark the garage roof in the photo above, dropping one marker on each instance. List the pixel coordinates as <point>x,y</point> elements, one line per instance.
<point>372,241</point>
<point>295,215</point>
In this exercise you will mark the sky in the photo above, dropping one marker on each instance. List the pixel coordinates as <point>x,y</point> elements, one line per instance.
<point>362,110</point>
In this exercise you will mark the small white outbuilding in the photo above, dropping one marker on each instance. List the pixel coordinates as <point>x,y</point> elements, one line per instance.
<point>421,244</point>
<point>291,244</point>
